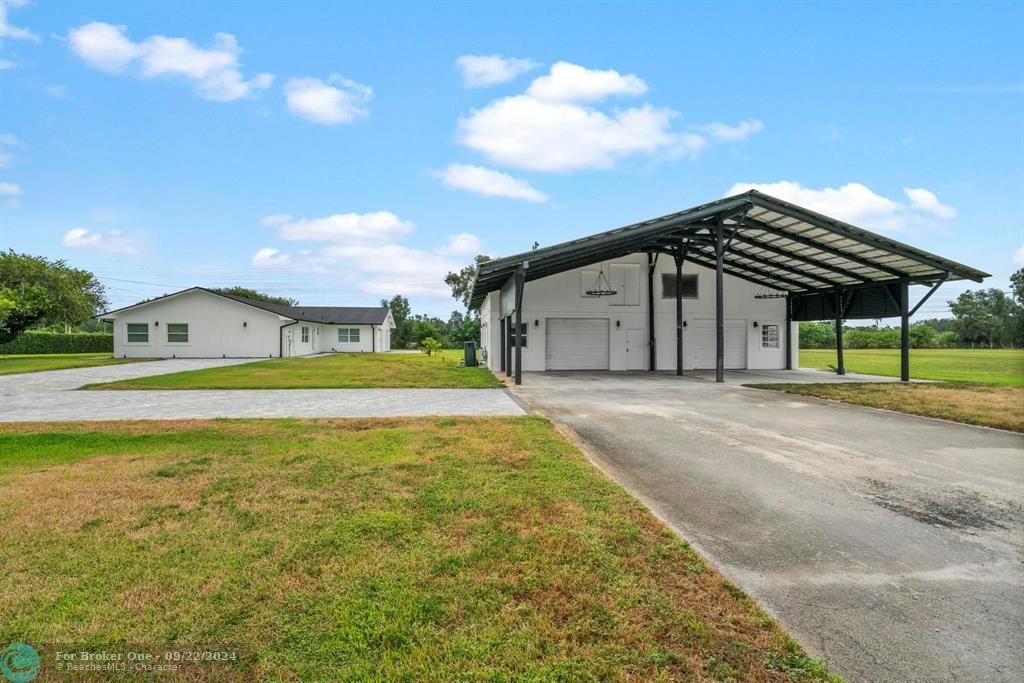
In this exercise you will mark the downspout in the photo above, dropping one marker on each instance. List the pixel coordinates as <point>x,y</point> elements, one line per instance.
<point>280,337</point>
<point>373,339</point>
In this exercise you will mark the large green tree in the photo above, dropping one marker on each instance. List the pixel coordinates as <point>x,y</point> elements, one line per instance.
<point>461,282</point>
<point>37,291</point>
<point>986,316</point>
<point>257,295</point>
<point>400,312</point>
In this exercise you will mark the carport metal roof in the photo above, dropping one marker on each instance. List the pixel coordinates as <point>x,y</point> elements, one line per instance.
<point>770,242</point>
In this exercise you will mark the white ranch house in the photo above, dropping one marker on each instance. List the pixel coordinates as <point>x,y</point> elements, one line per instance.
<point>202,323</point>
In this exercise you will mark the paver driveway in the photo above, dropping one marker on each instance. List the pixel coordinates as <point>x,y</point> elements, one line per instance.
<point>52,396</point>
<point>888,544</point>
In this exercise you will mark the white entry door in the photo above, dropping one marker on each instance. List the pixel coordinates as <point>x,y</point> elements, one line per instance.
<point>703,337</point>
<point>576,343</point>
<point>635,347</point>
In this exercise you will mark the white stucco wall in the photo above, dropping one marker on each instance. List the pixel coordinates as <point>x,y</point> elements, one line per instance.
<point>216,327</point>
<point>561,296</point>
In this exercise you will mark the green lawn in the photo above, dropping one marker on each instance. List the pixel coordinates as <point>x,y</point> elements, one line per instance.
<point>416,549</point>
<point>996,406</point>
<point>17,364</point>
<point>338,371</point>
<point>980,366</point>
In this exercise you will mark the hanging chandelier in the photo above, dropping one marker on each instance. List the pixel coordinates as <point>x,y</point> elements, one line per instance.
<point>601,286</point>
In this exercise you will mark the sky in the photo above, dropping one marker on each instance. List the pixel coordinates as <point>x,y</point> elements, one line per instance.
<point>339,153</point>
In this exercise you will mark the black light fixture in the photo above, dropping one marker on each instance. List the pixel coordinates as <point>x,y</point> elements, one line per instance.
<point>618,323</point>
<point>755,323</point>
<point>245,323</point>
<point>156,323</point>
<point>536,323</point>
<point>684,323</point>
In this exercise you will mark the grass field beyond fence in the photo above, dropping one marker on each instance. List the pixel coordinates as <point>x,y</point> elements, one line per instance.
<point>980,366</point>
<point>419,549</point>
<point>335,371</point>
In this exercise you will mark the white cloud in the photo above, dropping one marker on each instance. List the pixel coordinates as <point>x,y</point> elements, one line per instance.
<point>268,257</point>
<point>6,64</point>
<point>13,32</point>
<point>854,203</point>
<point>573,83</point>
<point>336,100</point>
<point>489,183</point>
<point>927,201</point>
<point>7,140</point>
<point>58,92</point>
<point>552,128</point>
<point>528,133</point>
<point>276,219</point>
<point>353,228</point>
<point>462,244</point>
<point>479,71</point>
<point>1018,256</point>
<point>214,71</point>
<point>114,241</point>
<point>726,133</point>
<point>9,190</point>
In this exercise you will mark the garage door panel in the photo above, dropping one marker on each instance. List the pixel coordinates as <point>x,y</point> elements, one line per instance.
<point>703,339</point>
<point>576,343</point>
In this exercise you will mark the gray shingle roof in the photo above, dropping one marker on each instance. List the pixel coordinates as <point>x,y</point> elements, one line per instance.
<point>328,315</point>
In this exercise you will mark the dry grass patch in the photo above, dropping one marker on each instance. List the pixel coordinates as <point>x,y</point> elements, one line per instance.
<point>406,549</point>
<point>990,406</point>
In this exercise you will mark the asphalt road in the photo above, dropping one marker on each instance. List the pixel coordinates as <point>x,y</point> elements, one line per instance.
<point>889,545</point>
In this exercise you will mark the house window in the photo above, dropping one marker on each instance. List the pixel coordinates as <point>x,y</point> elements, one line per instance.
<point>177,333</point>
<point>668,286</point>
<point>524,328</point>
<point>348,335</point>
<point>138,333</point>
<point>769,336</point>
<point>305,334</point>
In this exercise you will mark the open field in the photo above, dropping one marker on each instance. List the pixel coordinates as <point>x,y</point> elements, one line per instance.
<point>981,366</point>
<point>336,371</point>
<point>990,406</point>
<point>438,549</point>
<point>17,364</point>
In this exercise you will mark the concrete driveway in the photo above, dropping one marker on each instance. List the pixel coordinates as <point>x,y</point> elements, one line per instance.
<point>889,545</point>
<point>52,396</point>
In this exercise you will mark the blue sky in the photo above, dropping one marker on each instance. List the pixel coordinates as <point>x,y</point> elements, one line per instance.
<point>339,153</point>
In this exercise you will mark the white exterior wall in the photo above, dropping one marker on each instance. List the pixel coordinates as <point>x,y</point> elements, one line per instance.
<point>560,296</point>
<point>215,328</point>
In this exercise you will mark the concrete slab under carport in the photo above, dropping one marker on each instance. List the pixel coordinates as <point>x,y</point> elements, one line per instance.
<point>887,544</point>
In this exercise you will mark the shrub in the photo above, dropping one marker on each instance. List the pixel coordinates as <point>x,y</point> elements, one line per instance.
<point>429,346</point>
<point>34,341</point>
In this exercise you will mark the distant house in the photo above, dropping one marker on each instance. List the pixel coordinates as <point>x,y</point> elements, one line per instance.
<point>202,323</point>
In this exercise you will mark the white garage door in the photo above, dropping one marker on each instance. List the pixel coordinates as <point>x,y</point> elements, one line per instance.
<point>576,343</point>
<point>703,339</point>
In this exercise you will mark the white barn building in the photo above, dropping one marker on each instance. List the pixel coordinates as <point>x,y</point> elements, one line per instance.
<point>720,286</point>
<point>203,323</point>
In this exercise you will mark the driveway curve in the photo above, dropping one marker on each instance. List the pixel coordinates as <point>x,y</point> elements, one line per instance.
<point>889,545</point>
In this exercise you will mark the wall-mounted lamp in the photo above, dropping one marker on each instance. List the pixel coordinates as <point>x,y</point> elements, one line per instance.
<point>684,323</point>
<point>618,323</point>
<point>536,323</point>
<point>156,323</point>
<point>245,323</point>
<point>755,323</point>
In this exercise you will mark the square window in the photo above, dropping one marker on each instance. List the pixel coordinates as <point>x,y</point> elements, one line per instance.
<point>523,330</point>
<point>668,286</point>
<point>138,333</point>
<point>177,333</point>
<point>305,335</point>
<point>769,336</point>
<point>348,335</point>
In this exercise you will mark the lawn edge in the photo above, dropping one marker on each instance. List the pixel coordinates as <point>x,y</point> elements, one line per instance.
<point>606,469</point>
<point>762,387</point>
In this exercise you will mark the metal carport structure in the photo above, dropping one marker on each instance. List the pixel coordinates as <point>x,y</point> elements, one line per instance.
<point>826,268</point>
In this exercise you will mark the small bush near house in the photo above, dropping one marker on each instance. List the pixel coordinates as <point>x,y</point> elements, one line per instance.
<point>56,342</point>
<point>429,346</point>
